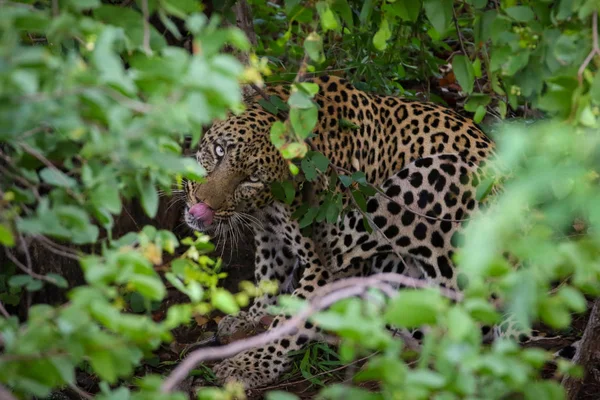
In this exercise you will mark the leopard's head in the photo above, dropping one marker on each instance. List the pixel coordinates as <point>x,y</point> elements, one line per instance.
<point>240,163</point>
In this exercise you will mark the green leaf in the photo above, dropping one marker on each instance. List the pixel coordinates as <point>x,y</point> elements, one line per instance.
<point>294,150</point>
<point>309,217</point>
<point>303,120</point>
<point>308,167</point>
<point>479,114</point>
<point>224,301</point>
<point>6,236</point>
<point>485,188</point>
<point>278,134</point>
<point>106,61</point>
<point>284,191</point>
<point>300,99</point>
<point>477,3</point>
<point>342,8</point>
<point>279,395</point>
<point>359,177</point>
<point>327,17</point>
<point>406,10</point>
<point>463,69</point>
<point>151,287</point>
<point>346,180</point>
<point>313,45</point>
<point>53,176</point>
<point>413,308</point>
<point>268,106</point>
<point>547,390</point>
<point>482,310</point>
<point>320,161</point>
<point>148,196</point>
<point>294,170</point>
<point>107,196</point>
<point>347,124</point>
<point>34,285</point>
<point>81,5</point>
<point>309,88</point>
<point>58,280</point>
<point>277,102</point>
<point>573,298</point>
<point>360,200</point>
<point>520,13</point>
<point>460,324</point>
<point>439,13</point>
<point>365,12</point>
<point>103,364</point>
<point>476,100</point>
<point>382,36</point>
<point>19,280</point>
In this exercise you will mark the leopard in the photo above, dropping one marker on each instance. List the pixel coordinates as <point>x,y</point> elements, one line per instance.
<point>425,159</point>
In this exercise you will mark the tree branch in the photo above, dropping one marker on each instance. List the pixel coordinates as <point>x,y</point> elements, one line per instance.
<point>323,298</point>
<point>3,311</point>
<point>595,48</point>
<point>146,38</point>
<point>586,353</point>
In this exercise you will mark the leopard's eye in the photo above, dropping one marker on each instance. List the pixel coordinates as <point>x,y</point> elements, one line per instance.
<point>253,178</point>
<point>219,150</point>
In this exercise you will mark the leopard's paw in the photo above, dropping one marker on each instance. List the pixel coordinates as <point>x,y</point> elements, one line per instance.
<point>232,324</point>
<point>253,368</point>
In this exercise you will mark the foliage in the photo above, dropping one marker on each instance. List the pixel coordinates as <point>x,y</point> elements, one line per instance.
<point>94,107</point>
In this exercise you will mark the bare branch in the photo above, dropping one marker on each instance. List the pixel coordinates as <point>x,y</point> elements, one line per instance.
<point>80,392</point>
<point>595,48</point>
<point>57,248</point>
<point>3,311</point>
<point>323,298</point>
<point>460,40</point>
<point>27,270</point>
<point>146,39</point>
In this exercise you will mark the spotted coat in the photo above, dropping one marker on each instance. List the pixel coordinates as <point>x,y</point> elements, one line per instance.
<point>426,159</point>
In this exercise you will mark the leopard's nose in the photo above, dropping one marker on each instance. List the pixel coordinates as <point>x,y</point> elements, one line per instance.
<point>202,212</point>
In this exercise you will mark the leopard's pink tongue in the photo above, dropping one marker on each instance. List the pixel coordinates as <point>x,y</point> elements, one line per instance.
<point>202,213</point>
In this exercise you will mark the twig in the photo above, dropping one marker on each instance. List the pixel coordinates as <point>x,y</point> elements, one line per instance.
<point>595,48</point>
<point>55,9</point>
<point>56,248</point>
<point>584,356</point>
<point>28,271</point>
<point>323,298</point>
<point>460,40</point>
<point>3,311</point>
<point>146,39</point>
<point>80,392</point>
<point>43,160</point>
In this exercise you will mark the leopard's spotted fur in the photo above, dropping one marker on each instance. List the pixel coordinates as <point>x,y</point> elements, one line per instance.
<point>426,158</point>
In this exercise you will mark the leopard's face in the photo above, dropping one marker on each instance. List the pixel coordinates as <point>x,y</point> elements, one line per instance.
<point>240,163</point>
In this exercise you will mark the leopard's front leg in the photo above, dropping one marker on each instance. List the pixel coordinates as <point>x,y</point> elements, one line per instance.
<point>265,364</point>
<point>274,261</point>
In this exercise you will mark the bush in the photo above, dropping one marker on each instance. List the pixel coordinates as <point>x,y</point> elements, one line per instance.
<point>95,107</point>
